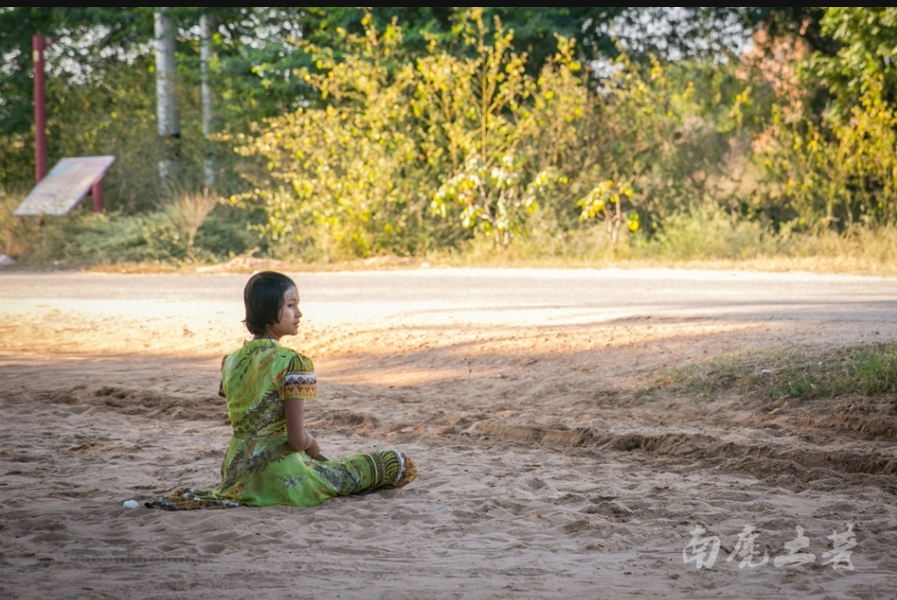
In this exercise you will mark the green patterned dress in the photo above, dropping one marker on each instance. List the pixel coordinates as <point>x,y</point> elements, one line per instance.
<point>260,469</point>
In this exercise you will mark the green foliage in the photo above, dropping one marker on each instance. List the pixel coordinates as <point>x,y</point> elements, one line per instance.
<point>223,236</point>
<point>866,50</point>
<point>87,238</point>
<point>337,172</point>
<point>407,130</point>
<point>492,200</point>
<point>708,233</point>
<point>841,170</point>
<point>112,31</point>
<point>411,153</point>
<point>110,115</point>
<point>605,201</point>
<point>479,121</point>
<point>535,28</point>
<point>836,167</point>
<point>403,143</point>
<point>875,370</point>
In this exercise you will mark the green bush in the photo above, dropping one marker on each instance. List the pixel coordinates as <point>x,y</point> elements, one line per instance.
<point>224,235</point>
<point>88,239</point>
<point>465,147</point>
<point>708,233</point>
<point>404,154</point>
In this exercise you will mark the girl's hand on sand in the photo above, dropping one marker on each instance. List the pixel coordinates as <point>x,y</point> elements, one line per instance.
<point>313,450</point>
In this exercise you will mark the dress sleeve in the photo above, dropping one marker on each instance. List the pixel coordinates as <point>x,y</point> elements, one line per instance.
<point>299,382</point>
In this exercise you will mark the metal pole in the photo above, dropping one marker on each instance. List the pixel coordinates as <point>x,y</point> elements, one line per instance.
<point>97,194</point>
<point>39,44</point>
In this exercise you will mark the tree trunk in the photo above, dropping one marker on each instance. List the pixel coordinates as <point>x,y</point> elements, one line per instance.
<point>206,25</point>
<point>166,96</point>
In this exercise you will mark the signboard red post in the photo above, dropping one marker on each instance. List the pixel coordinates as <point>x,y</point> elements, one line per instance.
<point>66,185</point>
<point>39,44</point>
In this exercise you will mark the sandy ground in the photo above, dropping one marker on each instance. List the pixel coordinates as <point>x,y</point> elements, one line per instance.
<point>545,472</point>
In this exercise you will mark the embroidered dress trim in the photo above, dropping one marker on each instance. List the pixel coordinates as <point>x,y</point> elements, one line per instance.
<point>300,378</point>
<point>300,386</point>
<point>401,472</point>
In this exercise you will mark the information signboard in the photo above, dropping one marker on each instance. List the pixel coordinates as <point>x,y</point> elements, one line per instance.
<point>65,186</point>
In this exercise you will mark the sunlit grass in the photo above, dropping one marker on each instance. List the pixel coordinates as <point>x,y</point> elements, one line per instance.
<point>153,243</point>
<point>867,370</point>
<point>693,241</point>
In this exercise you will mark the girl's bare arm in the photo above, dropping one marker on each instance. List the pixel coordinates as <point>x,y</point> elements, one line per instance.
<point>298,438</point>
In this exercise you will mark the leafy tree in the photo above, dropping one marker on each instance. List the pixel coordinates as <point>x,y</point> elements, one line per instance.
<point>89,38</point>
<point>534,28</point>
<point>600,31</point>
<point>865,38</point>
<point>402,153</point>
<point>401,141</point>
<point>835,167</point>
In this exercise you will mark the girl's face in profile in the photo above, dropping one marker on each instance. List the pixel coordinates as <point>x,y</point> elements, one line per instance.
<point>288,324</point>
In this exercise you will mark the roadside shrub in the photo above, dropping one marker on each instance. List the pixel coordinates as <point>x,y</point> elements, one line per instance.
<point>404,154</point>
<point>838,170</point>
<point>223,235</point>
<point>86,238</point>
<point>706,232</point>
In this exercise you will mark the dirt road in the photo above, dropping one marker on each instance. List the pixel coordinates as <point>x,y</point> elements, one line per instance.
<point>546,472</point>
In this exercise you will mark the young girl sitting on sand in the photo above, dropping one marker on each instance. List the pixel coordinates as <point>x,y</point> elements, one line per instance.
<point>272,458</point>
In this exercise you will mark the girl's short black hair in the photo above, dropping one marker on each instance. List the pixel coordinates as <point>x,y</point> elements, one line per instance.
<point>263,299</point>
